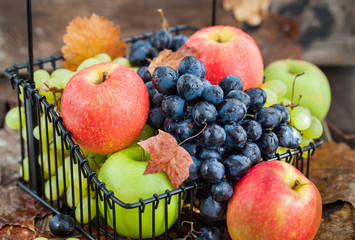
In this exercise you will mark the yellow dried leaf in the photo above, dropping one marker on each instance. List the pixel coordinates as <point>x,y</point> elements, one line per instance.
<point>250,11</point>
<point>86,38</point>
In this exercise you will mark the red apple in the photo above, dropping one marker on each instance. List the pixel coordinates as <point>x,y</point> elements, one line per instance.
<point>274,201</point>
<point>105,107</point>
<point>227,50</point>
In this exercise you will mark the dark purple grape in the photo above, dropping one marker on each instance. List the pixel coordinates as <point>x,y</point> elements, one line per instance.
<point>231,82</point>
<point>236,136</point>
<point>285,113</point>
<point>190,65</point>
<point>151,90</point>
<point>213,136</point>
<point>169,125</point>
<point>251,150</point>
<point>62,225</point>
<point>203,68</point>
<point>213,94</point>
<point>241,96</point>
<point>236,166</point>
<point>144,74</point>
<point>231,110</point>
<point>204,112</point>
<point>192,147</point>
<point>209,233</point>
<point>173,107</point>
<point>189,87</point>
<point>285,135</point>
<point>206,153</point>
<point>140,43</point>
<point>139,56</point>
<point>185,129</point>
<point>268,144</point>
<point>178,41</point>
<point>253,129</point>
<point>156,118</point>
<point>268,117</point>
<point>257,98</point>
<point>194,169</point>
<point>212,210</point>
<point>222,190</point>
<point>157,99</point>
<point>212,170</point>
<point>164,79</point>
<point>162,39</point>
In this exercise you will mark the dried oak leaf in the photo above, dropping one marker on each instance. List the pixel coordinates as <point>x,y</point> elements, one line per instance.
<point>87,37</point>
<point>250,11</point>
<point>170,58</point>
<point>332,170</point>
<point>166,155</point>
<point>340,225</point>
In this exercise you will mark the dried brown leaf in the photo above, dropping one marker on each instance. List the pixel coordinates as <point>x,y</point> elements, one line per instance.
<point>86,38</point>
<point>16,233</point>
<point>340,225</point>
<point>166,155</point>
<point>170,58</point>
<point>250,11</point>
<point>332,170</point>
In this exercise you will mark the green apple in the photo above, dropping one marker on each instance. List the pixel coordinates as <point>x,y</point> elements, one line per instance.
<point>313,86</point>
<point>123,174</point>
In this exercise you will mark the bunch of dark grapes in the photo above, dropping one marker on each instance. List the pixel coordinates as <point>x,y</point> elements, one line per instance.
<point>228,130</point>
<point>143,50</point>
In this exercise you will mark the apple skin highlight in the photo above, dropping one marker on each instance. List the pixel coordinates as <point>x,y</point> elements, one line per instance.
<point>227,50</point>
<point>265,206</point>
<point>105,117</point>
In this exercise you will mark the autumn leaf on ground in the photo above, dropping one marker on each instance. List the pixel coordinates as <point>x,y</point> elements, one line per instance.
<point>250,11</point>
<point>170,58</point>
<point>166,155</point>
<point>86,38</point>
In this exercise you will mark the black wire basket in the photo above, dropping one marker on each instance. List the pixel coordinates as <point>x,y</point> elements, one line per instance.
<point>41,161</point>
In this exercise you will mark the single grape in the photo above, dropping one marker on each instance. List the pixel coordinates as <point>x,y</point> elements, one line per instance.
<point>252,128</point>
<point>209,233</point>
<point>191,147</point>
<point>241,96</point>
<point>84,205</point>
<point>52,189</point>
<point>178,41</point>
<point>69,196</point>
<point>222,191</point>
<point>205,83</point>
<point>122,60</point>
<point>211,209</point>
<point>62,225</point>
<point>213,94</point>
<point>236,136</point>
<point>277,86</point>
<point>285,101</point>
<point>268,117</point>
<point>271,97</point>
<point>236,166</point>
<point>164,79</point>
<point>315,130</point>
<point>103,57</point>
<point>285,135</point>
<point>39,76</point>
<point>212,170</point>
<point>268,143</point>
<point>301,118</point>
<point>185,129</point>
<point>151,89</point>
<point>144,74</point>
<point>156,118</point>
<point>285,113</point>
<point>213,136</point>
<point>206,153</point>
<point>87,63</point>
<point>194,170</point>
<point>231,82</point>
<point>191,65</point>
<point>169,125</point>
<point>252,151</point>
<point>12,118</point>
<point>231,110</point>
<point>49,162</point>
<point>140,43</point>
<point>60,73</point>
<point>173,107</point>
<point>139,56</point>
<point>157,99</point>
<point>257,98</point>
<point>204,112</point>
<point>24,170</point>
<point>162,39</point>
<point>189,87</point>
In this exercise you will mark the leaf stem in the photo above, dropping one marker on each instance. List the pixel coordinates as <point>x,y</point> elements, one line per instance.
<point>187,139</point>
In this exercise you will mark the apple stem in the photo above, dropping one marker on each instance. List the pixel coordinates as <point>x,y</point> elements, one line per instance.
<point>165,24</point>
<point>293,88</point>
<point>104,76</point>
<point>187,139</point>
<point>142,154</point>
<point>295,184</point>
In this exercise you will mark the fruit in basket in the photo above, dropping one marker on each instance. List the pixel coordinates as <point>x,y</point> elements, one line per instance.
<point>227,50</point>
<point>105,107</point>
<point>12,118</point>
<point>123,174</point>
<point>62,225</point>
<point>274,201</point>
<point>313,86</point>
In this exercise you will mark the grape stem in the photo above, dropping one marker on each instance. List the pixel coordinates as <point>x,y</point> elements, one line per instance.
<point>294,87</point>
<point>187,139</point>
<point>165,24</point>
